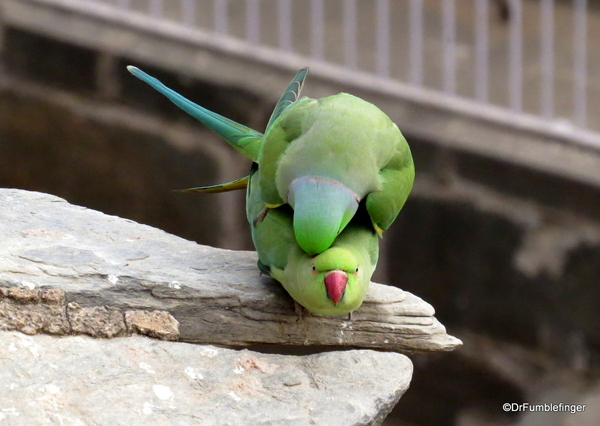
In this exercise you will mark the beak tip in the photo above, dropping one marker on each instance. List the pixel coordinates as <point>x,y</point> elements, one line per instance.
<point>335,284</point>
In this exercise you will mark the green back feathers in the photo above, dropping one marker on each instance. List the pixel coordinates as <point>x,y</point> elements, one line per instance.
<point>348,144</point>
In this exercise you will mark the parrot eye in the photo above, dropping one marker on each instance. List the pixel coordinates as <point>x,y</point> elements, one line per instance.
<point>356,270</point>
<point>314,268</point>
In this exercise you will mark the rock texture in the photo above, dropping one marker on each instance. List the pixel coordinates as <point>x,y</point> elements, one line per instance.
<point>111,267</point>
<point>115,275</point>
<point>33,311</point>
<point>78,380</point>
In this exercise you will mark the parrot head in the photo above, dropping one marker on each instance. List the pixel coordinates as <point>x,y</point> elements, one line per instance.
<point>331,283</point>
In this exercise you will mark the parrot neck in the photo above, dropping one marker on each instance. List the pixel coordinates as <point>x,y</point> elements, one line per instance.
<point>321,181</point>
<point>319,184</point>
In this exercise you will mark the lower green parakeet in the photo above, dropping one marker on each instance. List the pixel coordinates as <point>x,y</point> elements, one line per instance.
<point>335,281</point>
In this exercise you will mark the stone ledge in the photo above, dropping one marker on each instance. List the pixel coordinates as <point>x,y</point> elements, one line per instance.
<point>120,277</point>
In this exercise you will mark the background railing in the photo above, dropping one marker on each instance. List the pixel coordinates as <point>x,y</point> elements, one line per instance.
<point>533,58</point>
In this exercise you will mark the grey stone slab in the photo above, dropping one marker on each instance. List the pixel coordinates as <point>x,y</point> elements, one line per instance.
<point>191,292</point>
<point>79,380</point>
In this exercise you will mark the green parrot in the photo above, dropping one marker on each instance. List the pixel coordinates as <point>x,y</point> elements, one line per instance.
<point>323,157</point>
<point>333,282</point>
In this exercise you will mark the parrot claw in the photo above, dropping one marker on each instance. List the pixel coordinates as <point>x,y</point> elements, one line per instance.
<point>260,217</point>
<point>378,230</point>
<point>300,311</point>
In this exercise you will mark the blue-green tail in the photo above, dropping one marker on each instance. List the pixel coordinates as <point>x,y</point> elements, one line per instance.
<point>234,185</point>
<point>244,139</point>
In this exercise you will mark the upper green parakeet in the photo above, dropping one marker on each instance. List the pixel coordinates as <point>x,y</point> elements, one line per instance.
<point>323,157</point>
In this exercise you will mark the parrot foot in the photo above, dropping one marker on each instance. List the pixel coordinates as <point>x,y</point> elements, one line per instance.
<point>300,311</point>
<point>378,229</point>
<point>260,217</point>
<point>264,269</point>
<point>350,316</point>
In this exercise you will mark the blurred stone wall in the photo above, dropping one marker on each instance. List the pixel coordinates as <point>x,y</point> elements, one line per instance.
<point>76,124</point>
<point>509,256</point>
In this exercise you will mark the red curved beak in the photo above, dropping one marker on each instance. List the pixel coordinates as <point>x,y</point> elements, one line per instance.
<point>335,283</point>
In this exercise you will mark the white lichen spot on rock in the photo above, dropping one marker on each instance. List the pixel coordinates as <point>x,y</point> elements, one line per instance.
<point>193,373</point>
<point>27,342</point>
<point>147,367</point>
<point>162,392</point>
<point>113,279</point>
<point>53,389</point>
<point>28,284</point>
<point>175,284</point>
<point>209,352</point>
<point>147,409</point>
<point>233,396</point>
<point>5,412</point>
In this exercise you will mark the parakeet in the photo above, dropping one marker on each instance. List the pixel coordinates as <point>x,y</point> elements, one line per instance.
<point>323,157</point>
<point>333,282</point>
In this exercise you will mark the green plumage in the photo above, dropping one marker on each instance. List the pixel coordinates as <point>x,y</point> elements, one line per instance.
<point>242,138</point>
<point>352,149</point>
<point>355,252</point>
<point>328,176</point>
<point>323,157</point>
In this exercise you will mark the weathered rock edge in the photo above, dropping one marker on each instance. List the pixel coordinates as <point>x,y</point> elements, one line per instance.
<point>109,267</point>
<point>33,311</point>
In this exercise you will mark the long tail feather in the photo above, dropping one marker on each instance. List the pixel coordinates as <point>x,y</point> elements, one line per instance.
<point>238,135</point>
<point>241,183</point>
